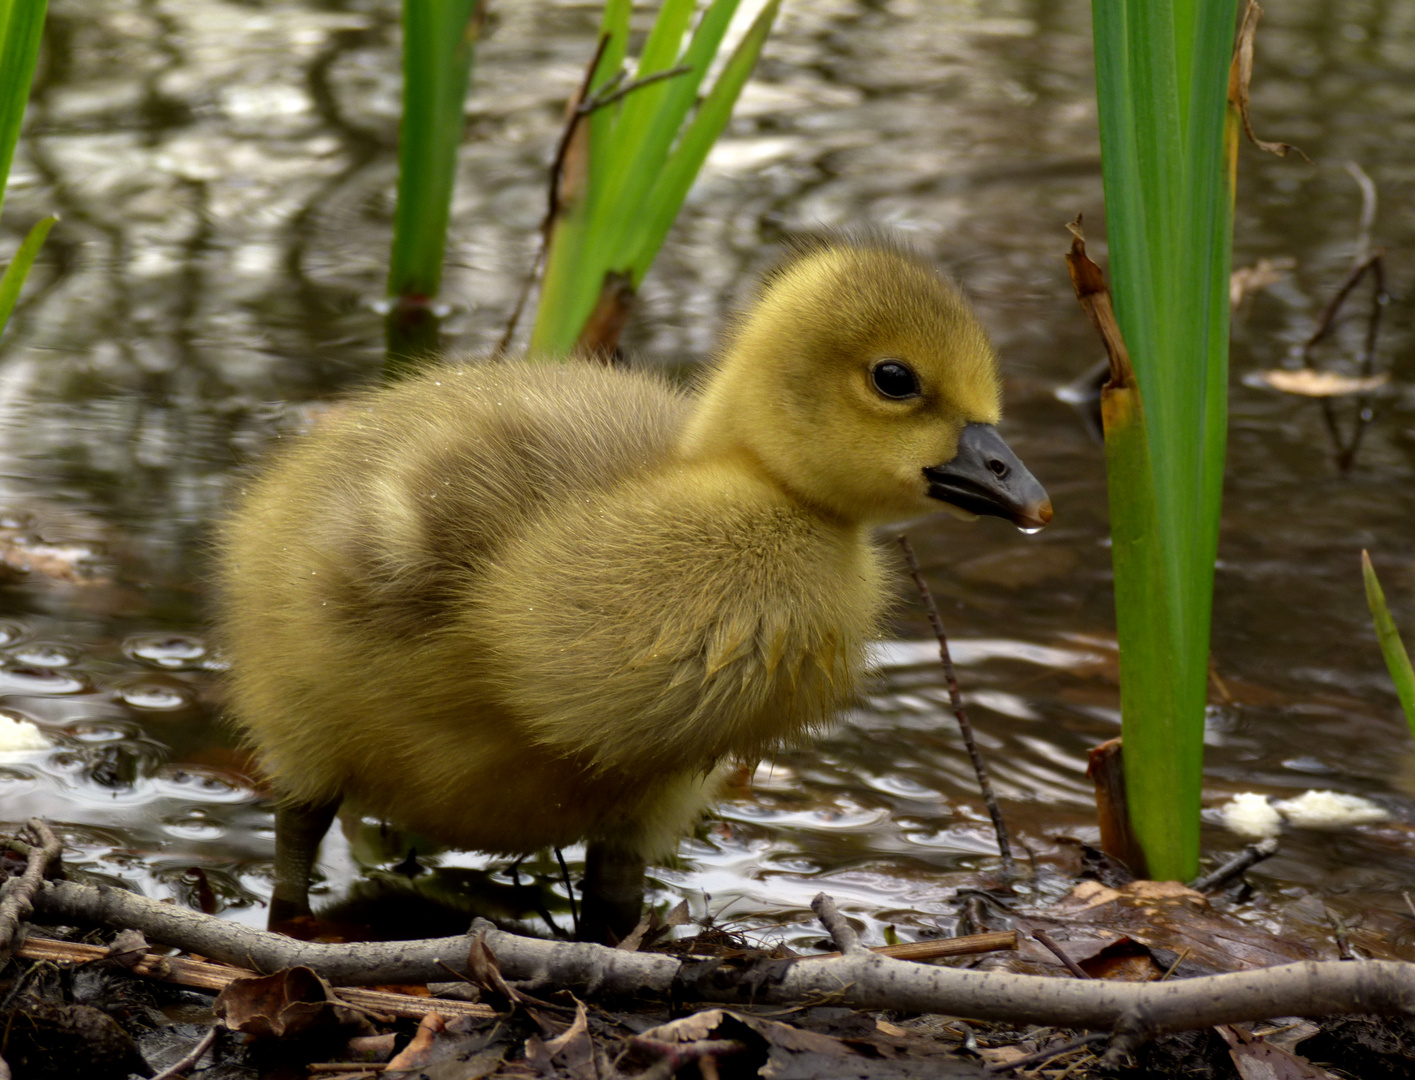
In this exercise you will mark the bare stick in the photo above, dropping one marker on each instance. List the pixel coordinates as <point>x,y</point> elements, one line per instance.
<point>1368,209</point>
<point>1366,360</point>
<point>841,932</point>
<point>554,201</point>
<point>180,1068</point>
<point>581,105</point>
<point>860,980</point>
<point>955,697</point>
<point>937,948</point>
<point>602,99</point>
<point>1364,259</point>
<point>17,895</point>
<point>1249,856</point>
<point>205,975</point>
<point>1060,953</point>
<point>1329,313</point>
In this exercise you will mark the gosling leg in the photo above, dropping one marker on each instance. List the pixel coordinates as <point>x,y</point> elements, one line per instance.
<point>299,828</point>
<point>613,892</point>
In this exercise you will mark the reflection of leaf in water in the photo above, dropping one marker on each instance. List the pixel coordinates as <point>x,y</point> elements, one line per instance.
<point>1320,384</point>
<point>1248,280</point>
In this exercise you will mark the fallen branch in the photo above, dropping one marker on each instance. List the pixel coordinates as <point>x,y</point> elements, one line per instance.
<point>861,979</point>
<point>17,895</point>
<point>206,975</point>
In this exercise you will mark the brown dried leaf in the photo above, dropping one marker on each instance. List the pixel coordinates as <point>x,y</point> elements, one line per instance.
<point>1320,384</point>
<point>1168,917</point>
<point>419,1052</point>
<point>1240,74</point>
<point>635,937</point>
<point>129,949</point>
<point>484,970</point>
<point>371,1047</point>
<point>1124,960</point>
<point>1094,297</point>
<point>572,1047</point>
<point>1259,1060</point>
<point>285,1003</point>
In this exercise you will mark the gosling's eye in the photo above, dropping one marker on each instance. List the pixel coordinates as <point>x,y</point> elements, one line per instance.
<point>895,379</point>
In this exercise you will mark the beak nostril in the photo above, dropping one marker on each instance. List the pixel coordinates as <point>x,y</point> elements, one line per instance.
<point>999,468</point>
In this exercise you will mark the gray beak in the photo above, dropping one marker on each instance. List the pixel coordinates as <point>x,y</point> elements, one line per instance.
<point>986,477</point>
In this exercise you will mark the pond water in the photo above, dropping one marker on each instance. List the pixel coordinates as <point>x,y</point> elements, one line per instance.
<point>225,170</point>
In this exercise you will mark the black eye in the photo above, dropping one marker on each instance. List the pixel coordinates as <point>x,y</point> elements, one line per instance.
<point>895,379</point>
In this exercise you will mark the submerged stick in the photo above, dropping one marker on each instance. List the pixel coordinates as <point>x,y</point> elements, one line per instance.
<point>1250,856</point>
<point>955,698</point>
<point>1364,260</point>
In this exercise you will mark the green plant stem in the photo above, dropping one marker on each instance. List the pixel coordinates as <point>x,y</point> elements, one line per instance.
<point>438,41</point>
<point>1162,80</point>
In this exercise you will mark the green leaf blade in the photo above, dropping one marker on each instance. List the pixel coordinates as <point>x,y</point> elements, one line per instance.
<point>1392,647</point>
<point>437,56</point>
<point>21,27</point>
<point>1161,68</point>
<point>670,189</point>
<point>18,270</point>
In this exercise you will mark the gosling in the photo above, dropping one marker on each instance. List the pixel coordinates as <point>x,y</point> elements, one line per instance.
<point>515,605</point>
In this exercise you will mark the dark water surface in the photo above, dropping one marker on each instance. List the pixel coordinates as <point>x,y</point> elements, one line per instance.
<point>225,175</point>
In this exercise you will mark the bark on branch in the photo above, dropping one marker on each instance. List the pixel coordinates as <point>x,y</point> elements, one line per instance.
<point>861,979</point>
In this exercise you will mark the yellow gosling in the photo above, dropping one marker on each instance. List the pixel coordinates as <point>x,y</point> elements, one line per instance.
<point>514,605</point>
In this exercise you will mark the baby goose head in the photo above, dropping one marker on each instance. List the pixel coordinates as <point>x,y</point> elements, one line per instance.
<point>861,382</point>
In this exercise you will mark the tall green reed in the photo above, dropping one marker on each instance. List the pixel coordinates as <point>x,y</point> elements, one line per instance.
<point>631,157</point>
<point>1168,146</point>
<point>21,25</point>
<point>439,37</point>
<point>1392,648</point>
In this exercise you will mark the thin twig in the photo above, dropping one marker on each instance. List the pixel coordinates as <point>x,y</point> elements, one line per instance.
<point>1060,953</point>
<point>189,1061</point>
<point>1324,323</point>
<point>1249,856</point>
<point>17,894</point>
<point>1368,209</point>
<point>601,99</point>
<point>582,105</point>
<point>937,948</point>
<point>1364,259</point>
<point>1175,966</point>
<point>557,172</point>
<point>1366,360</point>
<point>569,892</point>
<point>841,932</point>
<point>1048,1054</point>
<point>955,697</point>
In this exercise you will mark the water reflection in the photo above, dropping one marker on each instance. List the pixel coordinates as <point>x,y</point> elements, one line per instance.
<point>225,172</point>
